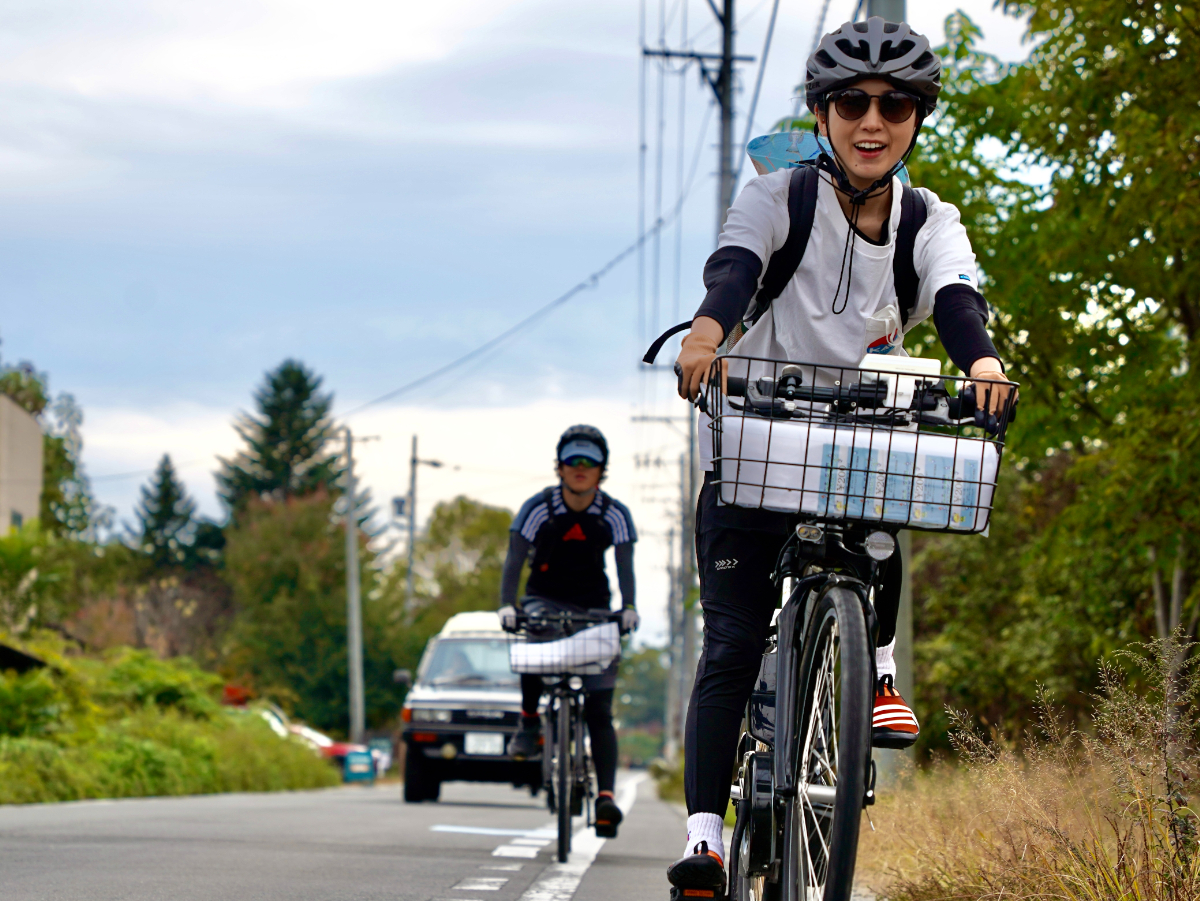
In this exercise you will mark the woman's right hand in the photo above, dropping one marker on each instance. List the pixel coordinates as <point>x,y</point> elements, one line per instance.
<point>697,353</point>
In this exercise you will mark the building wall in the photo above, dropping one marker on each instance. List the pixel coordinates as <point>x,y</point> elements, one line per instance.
<point>20,465</point>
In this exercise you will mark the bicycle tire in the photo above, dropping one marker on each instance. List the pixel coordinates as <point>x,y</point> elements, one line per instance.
<point>563,779</point>
<point>820,843</point>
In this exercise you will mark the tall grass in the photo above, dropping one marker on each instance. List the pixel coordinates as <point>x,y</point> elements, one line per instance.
<point>1102,815</point>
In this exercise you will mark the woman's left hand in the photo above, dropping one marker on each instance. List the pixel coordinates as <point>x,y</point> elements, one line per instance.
<point>989,396</point>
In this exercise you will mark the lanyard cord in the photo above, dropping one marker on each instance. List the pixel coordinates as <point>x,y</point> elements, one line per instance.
<point>846,272</point>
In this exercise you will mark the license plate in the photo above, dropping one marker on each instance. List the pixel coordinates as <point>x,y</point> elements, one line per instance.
<point>484,743</point>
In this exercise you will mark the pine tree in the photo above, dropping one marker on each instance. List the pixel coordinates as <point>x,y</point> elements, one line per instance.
<point>285,443</point>
<point>166,515</point>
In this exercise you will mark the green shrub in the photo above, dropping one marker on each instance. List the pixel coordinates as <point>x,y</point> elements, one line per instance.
<point>138,678</point>
<point>131,725</point>
<point>30,703</point>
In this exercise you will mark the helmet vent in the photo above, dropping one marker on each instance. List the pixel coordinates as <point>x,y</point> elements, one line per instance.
<point>896,51</point>
<point>824,60</point>
<point>854,51</point>
<point>890,28</point>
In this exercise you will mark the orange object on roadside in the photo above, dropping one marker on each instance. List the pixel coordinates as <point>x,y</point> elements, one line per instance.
<point>406,714</point>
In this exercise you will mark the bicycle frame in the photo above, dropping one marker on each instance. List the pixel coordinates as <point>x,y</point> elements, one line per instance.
<point>803,593</point>
<point>767,791</point>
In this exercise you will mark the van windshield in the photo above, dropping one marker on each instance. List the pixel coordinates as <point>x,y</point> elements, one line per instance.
<point>479,662</point>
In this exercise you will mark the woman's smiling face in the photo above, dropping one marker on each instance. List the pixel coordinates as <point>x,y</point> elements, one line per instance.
<point>868,147</point>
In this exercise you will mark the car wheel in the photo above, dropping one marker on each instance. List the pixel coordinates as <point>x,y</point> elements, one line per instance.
<point>421,782</point>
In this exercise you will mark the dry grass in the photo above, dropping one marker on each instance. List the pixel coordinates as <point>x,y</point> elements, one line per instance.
<point>1103,816</point>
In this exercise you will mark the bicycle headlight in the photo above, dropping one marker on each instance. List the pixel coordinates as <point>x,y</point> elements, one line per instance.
<point>576,683</point>
<point>880,545</point>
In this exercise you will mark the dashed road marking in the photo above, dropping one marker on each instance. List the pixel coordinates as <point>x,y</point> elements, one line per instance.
<point>481,884</point>
<point>560,880</point>
<point>503,867</point>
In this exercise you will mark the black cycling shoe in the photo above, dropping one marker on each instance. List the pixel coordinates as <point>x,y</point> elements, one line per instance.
<point>527,742</point>
<point>697,877</point>
<point>608,817</point>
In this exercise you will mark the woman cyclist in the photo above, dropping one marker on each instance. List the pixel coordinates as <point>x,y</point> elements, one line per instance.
<point>564,532</point>
<point>870,85</point>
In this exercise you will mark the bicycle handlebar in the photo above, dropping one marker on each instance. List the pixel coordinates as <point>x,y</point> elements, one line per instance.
<point>568,618</point>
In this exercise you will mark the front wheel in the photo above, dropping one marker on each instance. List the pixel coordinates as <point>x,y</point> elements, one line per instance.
<point>562,778</point>
<point>822,820</point>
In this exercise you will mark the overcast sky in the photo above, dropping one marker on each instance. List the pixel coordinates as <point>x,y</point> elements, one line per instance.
<point>190,193</point>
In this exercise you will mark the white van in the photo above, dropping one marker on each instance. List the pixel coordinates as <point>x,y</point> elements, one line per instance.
<point>462,710</point>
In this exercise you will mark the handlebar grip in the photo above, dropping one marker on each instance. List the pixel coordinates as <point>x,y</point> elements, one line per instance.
<point>736,387</point>
<point>699,401</point>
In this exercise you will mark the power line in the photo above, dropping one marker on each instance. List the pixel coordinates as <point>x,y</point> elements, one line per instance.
<point>762,67</point>
<point>590,282</point>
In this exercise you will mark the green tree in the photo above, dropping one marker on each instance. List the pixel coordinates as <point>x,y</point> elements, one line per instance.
<point>286,443</point>
<point>459,559</point>
<point>166,518</point>
<point>285,561</point>
<point>1091,268</point>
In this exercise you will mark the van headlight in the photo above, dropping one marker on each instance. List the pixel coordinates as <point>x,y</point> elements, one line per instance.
<point>426,715</point>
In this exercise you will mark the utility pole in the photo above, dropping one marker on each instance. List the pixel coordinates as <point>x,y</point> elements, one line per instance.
<point>724,89</point>
<point>716,69</point>
<point>681,618</point>
<point>353,600</point>
<point>414,462</point>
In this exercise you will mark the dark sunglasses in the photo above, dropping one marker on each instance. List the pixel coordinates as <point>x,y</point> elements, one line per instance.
<point>585,462</point>
<point>894,106</point>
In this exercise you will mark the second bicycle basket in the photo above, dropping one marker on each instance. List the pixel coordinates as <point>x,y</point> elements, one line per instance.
<point>587,652</point>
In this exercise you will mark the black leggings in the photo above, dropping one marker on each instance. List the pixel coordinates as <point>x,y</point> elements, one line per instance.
<point>738,598</point>
<point>597,712</point>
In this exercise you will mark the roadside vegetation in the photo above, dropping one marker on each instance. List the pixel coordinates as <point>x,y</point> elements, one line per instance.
<point>129,724</point>
<point>1083,816</point>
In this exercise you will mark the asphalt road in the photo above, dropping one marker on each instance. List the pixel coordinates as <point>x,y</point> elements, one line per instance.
<point>480,843</point>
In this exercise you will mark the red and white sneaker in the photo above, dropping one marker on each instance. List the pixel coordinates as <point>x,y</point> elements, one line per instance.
<point>893,725</point>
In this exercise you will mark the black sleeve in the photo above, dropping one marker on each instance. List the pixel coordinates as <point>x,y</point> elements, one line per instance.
<point>510,578</point>
<point>960,314</point>
<point>624,554</point>
<point>731,277</point>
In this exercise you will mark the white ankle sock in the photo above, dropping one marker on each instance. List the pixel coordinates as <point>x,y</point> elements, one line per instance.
<point>705,827</point>
<point>884,664</point>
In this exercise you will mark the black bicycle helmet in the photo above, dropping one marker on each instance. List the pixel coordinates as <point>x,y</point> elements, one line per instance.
<point>874,49</point>
<point>586,433</point>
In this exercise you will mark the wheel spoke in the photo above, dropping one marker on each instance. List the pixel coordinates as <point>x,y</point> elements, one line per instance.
<point>819,764</point>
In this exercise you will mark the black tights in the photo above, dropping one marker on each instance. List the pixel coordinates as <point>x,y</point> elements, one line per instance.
<point>597,712</point>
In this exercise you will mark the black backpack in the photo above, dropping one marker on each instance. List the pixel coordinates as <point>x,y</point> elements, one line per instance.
<point>802,207</point>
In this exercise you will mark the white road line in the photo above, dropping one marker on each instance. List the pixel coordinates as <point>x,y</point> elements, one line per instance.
<point>515,851</point>
<point>531,842</point>
<point>481,884</point>
<point>560,880</point>
<point>480,830</point>
<point>503,867</point>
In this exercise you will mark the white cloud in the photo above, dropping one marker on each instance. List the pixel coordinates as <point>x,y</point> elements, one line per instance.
<point>242,51</point>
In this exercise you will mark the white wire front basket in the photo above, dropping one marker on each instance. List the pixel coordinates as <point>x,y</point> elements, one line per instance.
<point>586,653</point>
<point>886,445</point>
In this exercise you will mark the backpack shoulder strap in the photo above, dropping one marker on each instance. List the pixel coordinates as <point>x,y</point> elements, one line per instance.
<point>913,213</point>
<point>802,207</point>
